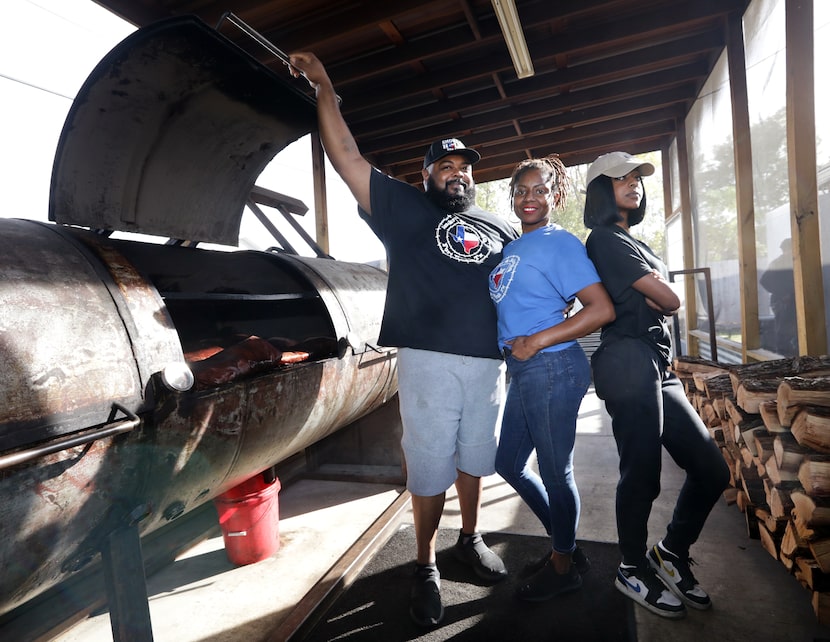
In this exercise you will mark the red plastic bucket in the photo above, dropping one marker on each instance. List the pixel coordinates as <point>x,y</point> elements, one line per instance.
<point>249,516</point>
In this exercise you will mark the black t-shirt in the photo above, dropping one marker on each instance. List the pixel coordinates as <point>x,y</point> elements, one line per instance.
<point>438,295</point>
<point>621,260</point>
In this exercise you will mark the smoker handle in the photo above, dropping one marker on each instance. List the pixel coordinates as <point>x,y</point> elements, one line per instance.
<point>259,38</point>
<point>107,430</point>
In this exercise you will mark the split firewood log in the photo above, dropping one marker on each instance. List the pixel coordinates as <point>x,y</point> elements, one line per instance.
<point>792,545</point>
<point>787,367</point>
<point>768,540</point>
<point>689,365</point>
<point>737,414</point>
<point>769,413</point>
<point>777,475</point>
<point>811,428</point>
<point>745,432</point>
<point>805,390</point>
<point>820,548</point>
<point>774,525</point>
<point>814,475</point>
<point>764,444</point>
<point>751,393</point>
<point>779,501</point>
<point>752,383</point>
<point>813,511</point>
<point>788,452</point>
<point>809,572</point>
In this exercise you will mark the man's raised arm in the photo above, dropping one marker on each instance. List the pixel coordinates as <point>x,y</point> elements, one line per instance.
<point>336,137</point>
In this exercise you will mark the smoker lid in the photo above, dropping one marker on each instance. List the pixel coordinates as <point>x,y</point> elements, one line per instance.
<point>169,133</point>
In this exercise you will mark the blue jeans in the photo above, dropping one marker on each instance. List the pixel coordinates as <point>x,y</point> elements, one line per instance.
<point>542,406</point>
<point>649,410</point>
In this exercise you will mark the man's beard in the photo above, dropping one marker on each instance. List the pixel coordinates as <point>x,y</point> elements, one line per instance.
<point>451,202</point>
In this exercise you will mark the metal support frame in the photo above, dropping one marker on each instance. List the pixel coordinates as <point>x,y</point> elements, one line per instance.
<point>126,585</point>
<point>707,276</point>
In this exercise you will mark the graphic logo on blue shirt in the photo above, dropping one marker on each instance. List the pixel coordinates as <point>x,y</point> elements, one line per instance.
<point>502,276</point>
<point>461,241</point>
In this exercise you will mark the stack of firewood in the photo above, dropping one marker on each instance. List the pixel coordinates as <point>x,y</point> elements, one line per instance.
<point>772,421</point>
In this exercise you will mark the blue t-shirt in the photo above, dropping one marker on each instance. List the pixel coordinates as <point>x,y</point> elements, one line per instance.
<point>539,274</point>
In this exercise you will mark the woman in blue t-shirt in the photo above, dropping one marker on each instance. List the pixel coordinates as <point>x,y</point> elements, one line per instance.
<point>533,288</point>
<point>647,403</point>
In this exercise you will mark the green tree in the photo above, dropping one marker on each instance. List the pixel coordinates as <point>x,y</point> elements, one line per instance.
<point>714,188</point>
<point>493,197</point>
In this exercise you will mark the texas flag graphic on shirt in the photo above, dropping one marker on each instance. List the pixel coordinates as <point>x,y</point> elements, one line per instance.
<point>462,241</point>
<point>502,276</point>
<point>467,239</point>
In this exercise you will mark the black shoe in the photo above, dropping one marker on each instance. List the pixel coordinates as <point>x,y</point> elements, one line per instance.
<point>547,583</point>
<point>676,574</point>
<point>474,552</point>
<point>580,561</point>
<point>578,558</point>
<point>425,606</point>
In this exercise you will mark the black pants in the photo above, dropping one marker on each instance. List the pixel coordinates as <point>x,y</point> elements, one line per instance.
<point>649,410</point>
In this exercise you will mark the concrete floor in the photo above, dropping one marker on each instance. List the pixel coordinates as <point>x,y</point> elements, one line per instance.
<point>202,597</point>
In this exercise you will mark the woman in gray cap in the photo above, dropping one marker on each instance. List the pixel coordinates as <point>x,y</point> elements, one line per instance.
<point>647,403</point>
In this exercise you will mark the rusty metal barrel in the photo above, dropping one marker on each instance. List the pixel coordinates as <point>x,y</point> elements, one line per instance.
<point>95,431</point>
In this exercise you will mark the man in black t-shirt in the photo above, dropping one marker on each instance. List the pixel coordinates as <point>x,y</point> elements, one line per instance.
<point>440,249</point>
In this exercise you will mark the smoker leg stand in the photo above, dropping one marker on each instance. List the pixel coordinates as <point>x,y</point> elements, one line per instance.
<point>126,586</point>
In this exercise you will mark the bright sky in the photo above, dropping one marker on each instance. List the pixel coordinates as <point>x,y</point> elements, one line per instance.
<point>47,49</point>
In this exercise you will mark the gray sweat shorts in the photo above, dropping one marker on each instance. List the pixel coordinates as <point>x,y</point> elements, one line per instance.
<point>450,409</point>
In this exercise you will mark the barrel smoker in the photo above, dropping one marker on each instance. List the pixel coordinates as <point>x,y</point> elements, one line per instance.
<point>139,380</point>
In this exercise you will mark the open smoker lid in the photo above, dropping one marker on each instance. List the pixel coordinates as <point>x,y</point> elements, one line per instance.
<point>169,133</point>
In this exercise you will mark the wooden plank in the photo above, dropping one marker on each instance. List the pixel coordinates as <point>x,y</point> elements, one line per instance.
<point>345,571</point>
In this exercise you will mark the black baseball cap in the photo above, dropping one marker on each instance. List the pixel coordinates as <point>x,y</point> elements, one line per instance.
<point>447,146</point>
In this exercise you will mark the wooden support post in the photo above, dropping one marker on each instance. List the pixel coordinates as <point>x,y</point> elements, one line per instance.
<point>126,586</point>
<point>741,144</point>
<point>801,157</point>
<point>689,258</point>
<point>321,208</point>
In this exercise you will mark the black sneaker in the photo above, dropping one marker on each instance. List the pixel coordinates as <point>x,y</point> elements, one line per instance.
<point>676,574</point>
<point>547,583</point>
<point>425,606</point>
<point>487,565</point>
<point>578,558</point>
<point>642,585</point>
